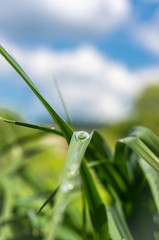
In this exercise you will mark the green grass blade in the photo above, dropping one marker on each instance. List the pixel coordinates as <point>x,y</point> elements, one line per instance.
<point>120,160</point>
<point>107,172</point>
<point>95,204</point>
<point>65,128</point>
<point>100,146</point>
<point>84,216</point>
<point>63,102</point>
<point>117,224</point>
<point>153,179</point>
<point>67,131</point>
<point>142,150</point>
<point>76,151</point>
<point>37,127</point>
<point>48,200</point>
<point>147,137</point>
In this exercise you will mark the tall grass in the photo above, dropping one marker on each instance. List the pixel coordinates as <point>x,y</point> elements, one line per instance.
<point>104,179</point>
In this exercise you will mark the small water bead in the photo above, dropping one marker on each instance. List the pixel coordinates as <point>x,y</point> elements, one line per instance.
<point>73,170</point>
<point>82,136</point>
<point>67,186</point>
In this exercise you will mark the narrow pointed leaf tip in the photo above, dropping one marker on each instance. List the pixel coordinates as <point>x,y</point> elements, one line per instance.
<point>65,128</point>
<point>28,125</point>
<point>145,144</point>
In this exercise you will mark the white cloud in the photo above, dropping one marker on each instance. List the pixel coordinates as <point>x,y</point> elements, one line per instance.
<point>95,14</point>
<point>147,33</point>
<point>41,19</point>
<point>94,87</point>
<point>148,37</point>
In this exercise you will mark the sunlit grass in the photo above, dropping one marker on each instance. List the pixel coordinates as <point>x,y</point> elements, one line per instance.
<point>93,179</point>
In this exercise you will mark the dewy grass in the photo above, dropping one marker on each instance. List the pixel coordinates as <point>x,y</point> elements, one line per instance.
<point>112,171</point>
<point>90,187</point>
<point>76,151</point>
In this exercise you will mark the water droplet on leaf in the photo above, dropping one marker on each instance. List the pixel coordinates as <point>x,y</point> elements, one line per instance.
<point>68,186</point>
<point>82,136</point>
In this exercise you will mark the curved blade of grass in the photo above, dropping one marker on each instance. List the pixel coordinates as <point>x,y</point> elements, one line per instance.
<point>120,160</point>
<point>109,176</point>
<point>99,145</point>
<point>65,128</point>
<point>76,151</point>
<point>107,173</point>
<point>95,205</point>
<point>145,144</point>
<point>37,127</point>
<point>84,216</point>
<point>153,179</point>
<point>63,102</point>
<point>148,137</point>
<point>117,224</point>
<point>67,131</point>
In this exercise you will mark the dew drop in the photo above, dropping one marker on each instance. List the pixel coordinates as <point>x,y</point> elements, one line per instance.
<point>73,170</point>
<point>68,186</point>
<point>82,136</point>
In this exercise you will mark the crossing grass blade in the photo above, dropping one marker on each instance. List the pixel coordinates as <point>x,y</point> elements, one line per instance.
<point>145,144</point>
<point>118,227</point>
<point>48,200</point>
<point>104,166</point>
<point>99,145</point>
<point>95,203</point>
<point>153,179</point>
<point>37,127</point>
<point>109,175</point>
<point>65,128</point>
<point>62,101</point>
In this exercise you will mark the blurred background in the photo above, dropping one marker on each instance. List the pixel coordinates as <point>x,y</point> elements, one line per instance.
<point>104,55</point>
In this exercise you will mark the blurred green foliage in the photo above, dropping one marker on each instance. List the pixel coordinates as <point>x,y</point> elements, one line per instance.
<point>30,165</point>
<point>145,112</point>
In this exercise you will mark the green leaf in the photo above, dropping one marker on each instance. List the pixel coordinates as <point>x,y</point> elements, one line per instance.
<point>42,128</point>
<point>145,144</point>
<point>95,205</point>
<point>48,200</point>
<point>104,166</point>
<point>99,145</point>
<point>63,102</point>
<point>65,128</point>
<point>89,185</point>
<point>153,179</point>
<point>76,151</point>
<point>117,224</point>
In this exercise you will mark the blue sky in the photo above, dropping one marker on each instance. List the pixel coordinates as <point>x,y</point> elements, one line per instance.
<point>103,53</point>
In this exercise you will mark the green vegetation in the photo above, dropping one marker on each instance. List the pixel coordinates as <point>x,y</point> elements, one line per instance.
<point>92,192</point>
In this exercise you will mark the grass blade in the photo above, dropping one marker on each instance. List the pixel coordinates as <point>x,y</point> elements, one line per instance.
<point>145,144</point>
<point>76,151</point>
<point>89,185</point>
<point>65,128</point>
<point>153,179</point>
<point>117,224</point>
<point>107,171</point>
<point>48,200</point>
<point>37,127</point>
<point>95,204</point>
<point>63,102</point>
